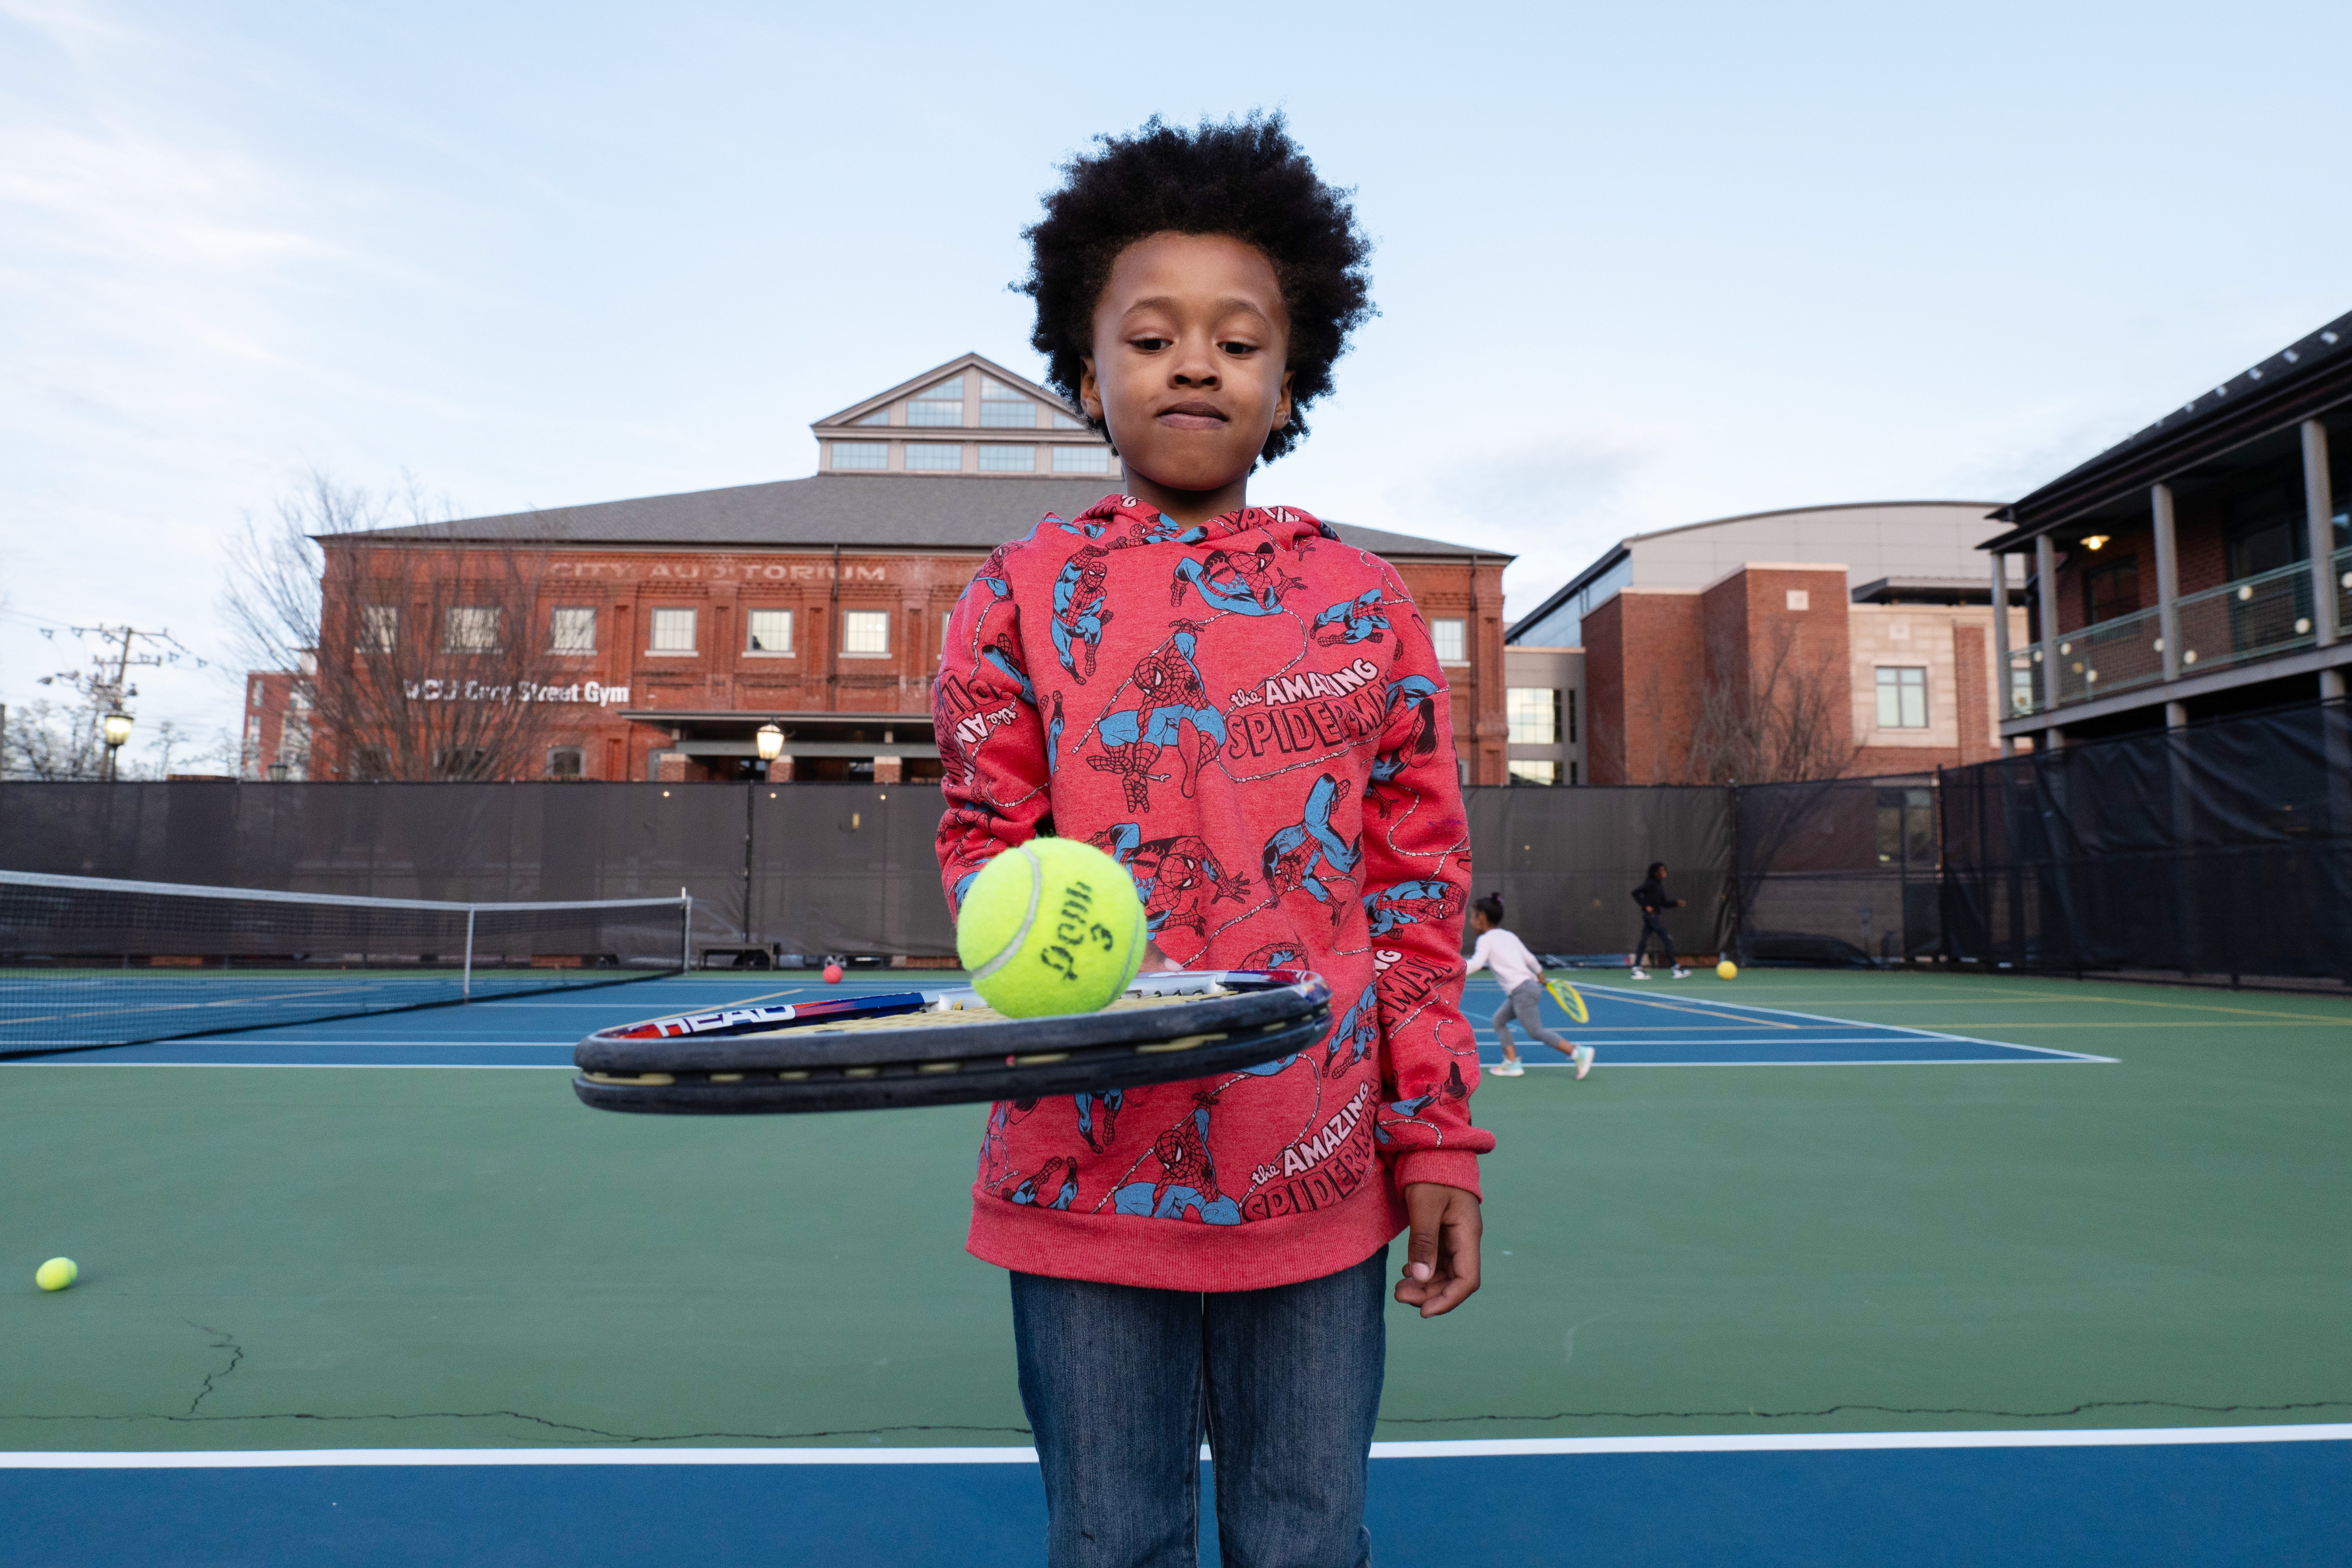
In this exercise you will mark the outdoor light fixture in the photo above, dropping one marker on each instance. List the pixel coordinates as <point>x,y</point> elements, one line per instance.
<point>771,742</point>
<point>116,726</point>
<point>2094,541</point>
<point>277,772</point>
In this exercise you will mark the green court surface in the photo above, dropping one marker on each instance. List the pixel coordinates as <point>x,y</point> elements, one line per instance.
<point>340,1258</point>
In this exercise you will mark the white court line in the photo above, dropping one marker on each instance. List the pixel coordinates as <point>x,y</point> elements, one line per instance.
<point>1898,1029</point>
<point>1494,1447</point>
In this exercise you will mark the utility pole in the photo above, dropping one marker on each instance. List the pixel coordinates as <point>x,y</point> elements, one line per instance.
<point>107,685</point>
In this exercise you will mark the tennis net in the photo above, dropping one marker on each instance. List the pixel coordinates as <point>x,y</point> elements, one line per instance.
<point>88,960</point>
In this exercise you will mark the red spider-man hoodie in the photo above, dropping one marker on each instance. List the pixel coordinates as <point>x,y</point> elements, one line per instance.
<point>1249,715</point>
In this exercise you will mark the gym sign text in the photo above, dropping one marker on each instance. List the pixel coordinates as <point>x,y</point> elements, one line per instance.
<point>588,691</point>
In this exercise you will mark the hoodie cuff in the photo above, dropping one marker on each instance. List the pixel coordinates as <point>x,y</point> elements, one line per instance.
<point>1447,1167</point>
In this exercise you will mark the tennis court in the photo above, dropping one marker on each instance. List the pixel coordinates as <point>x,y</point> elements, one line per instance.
<point>2002,1269</point>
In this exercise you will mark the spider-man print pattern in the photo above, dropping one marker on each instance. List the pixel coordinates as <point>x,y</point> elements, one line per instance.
<point>1177,879</point>
<point>1352,620</point>
<point>1248,715</point>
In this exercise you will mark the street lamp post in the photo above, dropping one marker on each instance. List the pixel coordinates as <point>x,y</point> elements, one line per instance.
<point>116,728</point>
<point>770,739</point>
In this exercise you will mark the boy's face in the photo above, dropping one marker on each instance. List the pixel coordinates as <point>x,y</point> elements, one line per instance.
<point>1190,338</point>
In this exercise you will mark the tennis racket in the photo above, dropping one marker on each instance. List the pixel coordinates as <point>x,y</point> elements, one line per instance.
<point>1571,1000</point>
<point>930,1047</point>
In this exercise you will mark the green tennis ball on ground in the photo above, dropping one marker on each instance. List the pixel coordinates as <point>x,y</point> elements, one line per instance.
<point>56,1274</point>
<point>1727,969</point>
<point>1052,926</point>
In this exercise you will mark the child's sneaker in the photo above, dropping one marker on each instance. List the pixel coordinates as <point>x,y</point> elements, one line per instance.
<point>1510,1069</point>
<point>1638,973</point>
<point>1582,1058</point>
<point>1680,973</point>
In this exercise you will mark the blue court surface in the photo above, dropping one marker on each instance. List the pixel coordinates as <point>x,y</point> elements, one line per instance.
<point>1661,1023</point>
<point>2267,1494</point>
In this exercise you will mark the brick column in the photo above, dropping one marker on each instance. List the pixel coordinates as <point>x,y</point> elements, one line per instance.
<point>780,770</point>
<point>890,769</point>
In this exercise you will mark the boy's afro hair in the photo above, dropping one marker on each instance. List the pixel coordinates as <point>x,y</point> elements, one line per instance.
<point>1243,178</point>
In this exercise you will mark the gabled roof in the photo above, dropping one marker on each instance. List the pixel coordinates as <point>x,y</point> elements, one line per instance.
<point>986,366</point>
<point>2311,373</point>
<point>887,512</point>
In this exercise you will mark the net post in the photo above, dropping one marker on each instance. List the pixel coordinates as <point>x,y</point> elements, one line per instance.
<point>686,932</point>
<point>465,991</point>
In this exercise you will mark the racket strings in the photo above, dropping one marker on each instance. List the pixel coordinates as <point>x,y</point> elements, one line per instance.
<point>958,1017</point>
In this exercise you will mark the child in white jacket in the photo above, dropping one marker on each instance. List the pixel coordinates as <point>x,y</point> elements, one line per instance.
<point>1522,981</point>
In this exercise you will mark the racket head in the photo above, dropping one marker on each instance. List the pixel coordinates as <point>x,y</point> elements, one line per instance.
<point>1571,1000</point>
<point>909,1048</point>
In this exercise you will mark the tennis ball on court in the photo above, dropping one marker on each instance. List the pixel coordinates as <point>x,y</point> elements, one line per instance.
<point>1051,927</point>
<point>56,1274</point>
<point>1727,969</point>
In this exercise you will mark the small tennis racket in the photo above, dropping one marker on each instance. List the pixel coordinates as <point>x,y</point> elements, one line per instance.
<point>1571,1000</point>
<point>931,1048</point>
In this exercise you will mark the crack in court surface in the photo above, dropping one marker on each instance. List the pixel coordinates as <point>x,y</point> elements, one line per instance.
<point>222,1340</point>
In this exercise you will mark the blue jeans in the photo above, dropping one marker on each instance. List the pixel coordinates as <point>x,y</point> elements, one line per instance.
<point>1119,1382</point>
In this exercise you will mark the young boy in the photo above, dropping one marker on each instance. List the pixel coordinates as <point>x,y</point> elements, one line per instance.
<point>1149,677</point>
<point>1522,981</point>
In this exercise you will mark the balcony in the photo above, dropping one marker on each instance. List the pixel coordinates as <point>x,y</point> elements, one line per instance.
<point>2254,617</point>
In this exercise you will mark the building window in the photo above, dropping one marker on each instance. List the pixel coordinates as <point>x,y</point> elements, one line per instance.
<point>470,628</point>
<point>860,454</point>
<point>946,618</point>
<point>1534,715</point>
<point>770,631</point>
<point>1082,459</point>
<point>571,631</point>
<point>995,459</point>
<point>940,404</point>
<point>673,631</point>
<point>1572,773</point>
<point>2111,590</point>
<point>2020,688</point>
<point>1525,773</point>
<point>879,416</point>
<point>567,763</point>
<point>379,628</point>
<point>933,457</point>
<point>1064,421</point>
<point>1571,722</point>
<point>1001,408</point>
<point>866,631</point>
<point>1450,638</point>
<point>1902,699</point>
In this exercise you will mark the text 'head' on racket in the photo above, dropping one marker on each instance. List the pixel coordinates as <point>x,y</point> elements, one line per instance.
<point>917,1048</point>
<point>1571,1000</point>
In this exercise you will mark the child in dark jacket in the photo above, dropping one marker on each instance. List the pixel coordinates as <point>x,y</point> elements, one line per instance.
<point>1248,712</point>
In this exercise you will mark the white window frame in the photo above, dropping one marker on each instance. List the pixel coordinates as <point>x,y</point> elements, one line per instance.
<point>997,449</point>
<point>1066,458</point>
<point>927,448</point>
<point>928,400</point>
<point>378,628</point>
<point>558,643</point>
<point>1898,689</point>
<point>1550,710</point>
<point>1443,626</point>
<point>471,629</point>
<point>750,647</point>
<point>860,452</point>
<point>657,628</point>
<point>855,626</point>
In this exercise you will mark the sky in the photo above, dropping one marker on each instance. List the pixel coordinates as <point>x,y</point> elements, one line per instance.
<point>1636,265</point>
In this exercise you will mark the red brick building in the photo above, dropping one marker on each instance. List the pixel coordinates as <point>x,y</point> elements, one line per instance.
<point>1861,636</point>
<point>662,633</point>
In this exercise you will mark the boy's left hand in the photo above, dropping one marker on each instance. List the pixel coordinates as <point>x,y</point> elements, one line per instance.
<point>1441,1254</point>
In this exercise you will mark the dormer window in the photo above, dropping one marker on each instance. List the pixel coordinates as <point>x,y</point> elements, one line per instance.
<point>879,416</point>
<point>939,404</point>
<point>1002,408</point>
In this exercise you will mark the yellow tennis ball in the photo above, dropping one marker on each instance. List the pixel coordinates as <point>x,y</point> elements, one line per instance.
<point>1727,969</point>
<point>56,1274</point>
<point>1051,927</point>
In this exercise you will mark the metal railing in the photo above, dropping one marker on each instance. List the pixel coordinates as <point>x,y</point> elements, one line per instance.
<point>2253,617</point>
